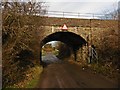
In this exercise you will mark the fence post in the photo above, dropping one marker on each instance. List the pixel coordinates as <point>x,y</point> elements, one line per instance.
<point>93,15</point>
<point>63,14</point>
<point>78,15</point>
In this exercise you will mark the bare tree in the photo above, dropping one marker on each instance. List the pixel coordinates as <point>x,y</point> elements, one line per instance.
<point>113,13</point>
<point>26,8</point>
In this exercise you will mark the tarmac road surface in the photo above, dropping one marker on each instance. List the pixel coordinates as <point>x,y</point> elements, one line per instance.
<point>66,75</point>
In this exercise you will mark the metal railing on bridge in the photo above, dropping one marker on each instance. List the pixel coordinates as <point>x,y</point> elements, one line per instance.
<point>77,15</point>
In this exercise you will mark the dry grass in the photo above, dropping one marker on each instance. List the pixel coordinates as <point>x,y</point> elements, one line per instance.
<point>32,77</point>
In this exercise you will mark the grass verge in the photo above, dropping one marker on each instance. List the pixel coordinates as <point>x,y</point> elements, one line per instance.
<point>32,83</point>
<point>32,77</point>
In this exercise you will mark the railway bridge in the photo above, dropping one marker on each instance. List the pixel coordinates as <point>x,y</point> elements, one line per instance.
<point>80,34</point>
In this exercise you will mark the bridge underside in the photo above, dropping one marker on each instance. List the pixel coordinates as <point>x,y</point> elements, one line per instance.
<point>73,40</point>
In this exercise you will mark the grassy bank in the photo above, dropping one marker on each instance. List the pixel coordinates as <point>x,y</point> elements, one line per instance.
<point>32,77</point>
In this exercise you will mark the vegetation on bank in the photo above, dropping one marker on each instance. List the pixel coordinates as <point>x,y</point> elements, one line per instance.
<point>31,79</point>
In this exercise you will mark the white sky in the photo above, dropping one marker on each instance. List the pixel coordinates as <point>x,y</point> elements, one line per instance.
<point>82,6</point>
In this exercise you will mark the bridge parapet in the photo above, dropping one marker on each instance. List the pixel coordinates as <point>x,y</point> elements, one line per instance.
<point>82,31</point>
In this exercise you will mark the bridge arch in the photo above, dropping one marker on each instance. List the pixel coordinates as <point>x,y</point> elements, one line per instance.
<point>71,39</point>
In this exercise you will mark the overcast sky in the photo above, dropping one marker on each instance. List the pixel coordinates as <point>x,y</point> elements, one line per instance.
<point>82,6</point>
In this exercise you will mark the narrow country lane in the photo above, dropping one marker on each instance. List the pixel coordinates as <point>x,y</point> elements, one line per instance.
<point>66,75</point>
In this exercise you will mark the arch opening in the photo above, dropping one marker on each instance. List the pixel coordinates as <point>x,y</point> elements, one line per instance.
<point>55,52</point>
<point>72,40</point>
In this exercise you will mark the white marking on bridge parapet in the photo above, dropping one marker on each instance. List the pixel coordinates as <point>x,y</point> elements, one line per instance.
<point>52,29</point>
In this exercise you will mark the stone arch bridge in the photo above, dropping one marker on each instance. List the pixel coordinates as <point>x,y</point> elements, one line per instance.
<point>71,37</point>
<point>81,32</point>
